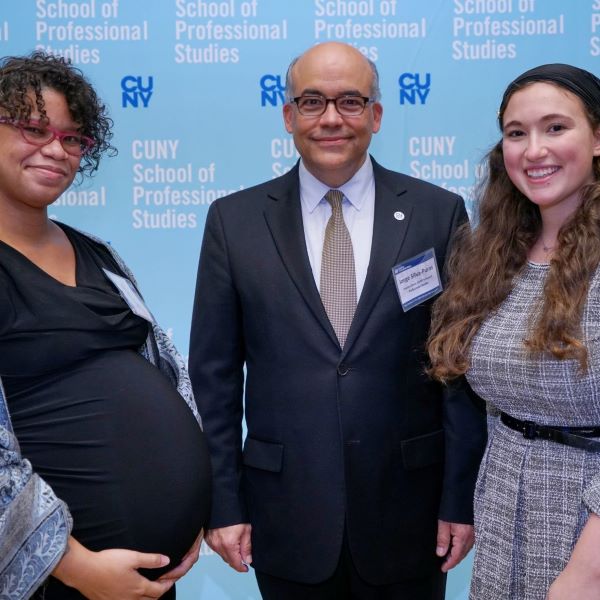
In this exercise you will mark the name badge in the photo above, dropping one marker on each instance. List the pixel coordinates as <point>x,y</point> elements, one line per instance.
<point>417,279</point>
<point>130,295</point>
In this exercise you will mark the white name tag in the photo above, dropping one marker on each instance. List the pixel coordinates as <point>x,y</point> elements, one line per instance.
<point>417,279</point>
<point>130,295</point>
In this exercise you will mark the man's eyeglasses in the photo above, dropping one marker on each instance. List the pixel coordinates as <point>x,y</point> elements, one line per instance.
<point>315,105</point>
<point>35,133</point>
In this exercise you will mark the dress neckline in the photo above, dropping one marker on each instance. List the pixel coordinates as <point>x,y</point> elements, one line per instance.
<point>65,230</point>
<point>537,265</point>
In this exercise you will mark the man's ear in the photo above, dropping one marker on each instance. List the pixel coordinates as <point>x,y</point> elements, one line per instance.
<point>288,116</point>
<point>377,109</point>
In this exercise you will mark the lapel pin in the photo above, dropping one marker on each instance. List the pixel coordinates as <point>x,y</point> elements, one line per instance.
<point>399,215</point>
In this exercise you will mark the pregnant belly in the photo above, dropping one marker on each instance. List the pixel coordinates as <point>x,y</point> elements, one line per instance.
<point>119,445</point>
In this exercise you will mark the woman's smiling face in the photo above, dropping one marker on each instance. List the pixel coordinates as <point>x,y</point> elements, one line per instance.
<point>549,146</point>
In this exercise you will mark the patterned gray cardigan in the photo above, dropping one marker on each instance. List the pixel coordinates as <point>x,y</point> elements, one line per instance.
<point>34,523</point>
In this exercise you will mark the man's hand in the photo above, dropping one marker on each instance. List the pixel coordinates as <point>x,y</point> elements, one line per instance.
<point>232,544</point>
<point>454,540</point>
<point>187,562</point>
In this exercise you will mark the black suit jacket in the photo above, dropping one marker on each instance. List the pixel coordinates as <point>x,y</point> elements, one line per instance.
<point>357,438</point>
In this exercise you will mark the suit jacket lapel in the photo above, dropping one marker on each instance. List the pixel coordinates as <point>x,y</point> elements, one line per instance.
<point>389,233</point>
<point>283,214</point>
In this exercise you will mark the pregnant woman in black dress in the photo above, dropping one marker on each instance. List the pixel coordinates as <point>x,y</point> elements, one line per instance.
<point>94,393</point>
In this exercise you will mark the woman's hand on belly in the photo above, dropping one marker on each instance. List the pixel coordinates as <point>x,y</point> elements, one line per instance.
<point>187,562</point>
<point>110,574</point>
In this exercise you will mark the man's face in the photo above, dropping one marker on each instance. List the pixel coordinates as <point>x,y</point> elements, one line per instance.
<point>332,146</point>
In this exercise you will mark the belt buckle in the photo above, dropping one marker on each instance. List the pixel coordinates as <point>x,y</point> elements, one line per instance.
<point>530,430</point>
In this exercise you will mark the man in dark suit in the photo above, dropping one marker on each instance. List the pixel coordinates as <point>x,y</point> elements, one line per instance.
<point>356,476</point>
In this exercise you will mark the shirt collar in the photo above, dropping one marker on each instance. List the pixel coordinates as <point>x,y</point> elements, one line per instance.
<point>355,189</point>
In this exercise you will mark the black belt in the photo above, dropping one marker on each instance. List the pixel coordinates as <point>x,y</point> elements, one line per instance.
<point>579,437</point>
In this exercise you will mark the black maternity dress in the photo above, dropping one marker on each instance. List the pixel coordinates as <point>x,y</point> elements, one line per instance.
<point>104,427</point>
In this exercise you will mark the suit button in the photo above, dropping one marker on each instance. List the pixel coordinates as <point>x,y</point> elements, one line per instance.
<point>343,369</point>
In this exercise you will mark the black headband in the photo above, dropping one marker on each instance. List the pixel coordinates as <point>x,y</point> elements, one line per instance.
<point>582,83</point>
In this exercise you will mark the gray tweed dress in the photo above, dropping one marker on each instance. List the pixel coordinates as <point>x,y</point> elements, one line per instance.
<point>533,497</point>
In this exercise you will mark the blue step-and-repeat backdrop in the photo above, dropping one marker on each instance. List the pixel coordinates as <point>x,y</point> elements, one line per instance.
<point>195,88</point>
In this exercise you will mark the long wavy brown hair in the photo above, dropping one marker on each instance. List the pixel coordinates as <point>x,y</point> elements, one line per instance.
<point>485,260</point>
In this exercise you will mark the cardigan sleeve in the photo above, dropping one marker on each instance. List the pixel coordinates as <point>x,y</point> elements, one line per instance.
<point>34,524</point>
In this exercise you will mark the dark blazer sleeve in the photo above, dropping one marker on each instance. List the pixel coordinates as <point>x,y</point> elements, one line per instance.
<point>465,434</point>
<point>465,439</point>
<point>216,369</point>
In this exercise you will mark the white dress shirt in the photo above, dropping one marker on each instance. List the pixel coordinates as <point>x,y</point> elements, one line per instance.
<point>358,207</point>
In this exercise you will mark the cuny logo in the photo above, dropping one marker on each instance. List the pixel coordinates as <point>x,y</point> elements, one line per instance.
<point>136,91</point>
<point>414,87</point>
<point>272,90</point>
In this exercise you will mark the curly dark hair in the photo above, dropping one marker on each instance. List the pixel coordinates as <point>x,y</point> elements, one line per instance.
<point>22,75</point>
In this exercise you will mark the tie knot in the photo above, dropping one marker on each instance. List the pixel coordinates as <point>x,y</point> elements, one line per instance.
<point>334,197</point>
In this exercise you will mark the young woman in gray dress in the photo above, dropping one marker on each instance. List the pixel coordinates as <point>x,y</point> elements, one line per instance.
<point>104,471</point>
<point>521,319</point>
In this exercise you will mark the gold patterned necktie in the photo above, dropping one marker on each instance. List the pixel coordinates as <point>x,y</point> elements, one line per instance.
<point>338,277</point>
